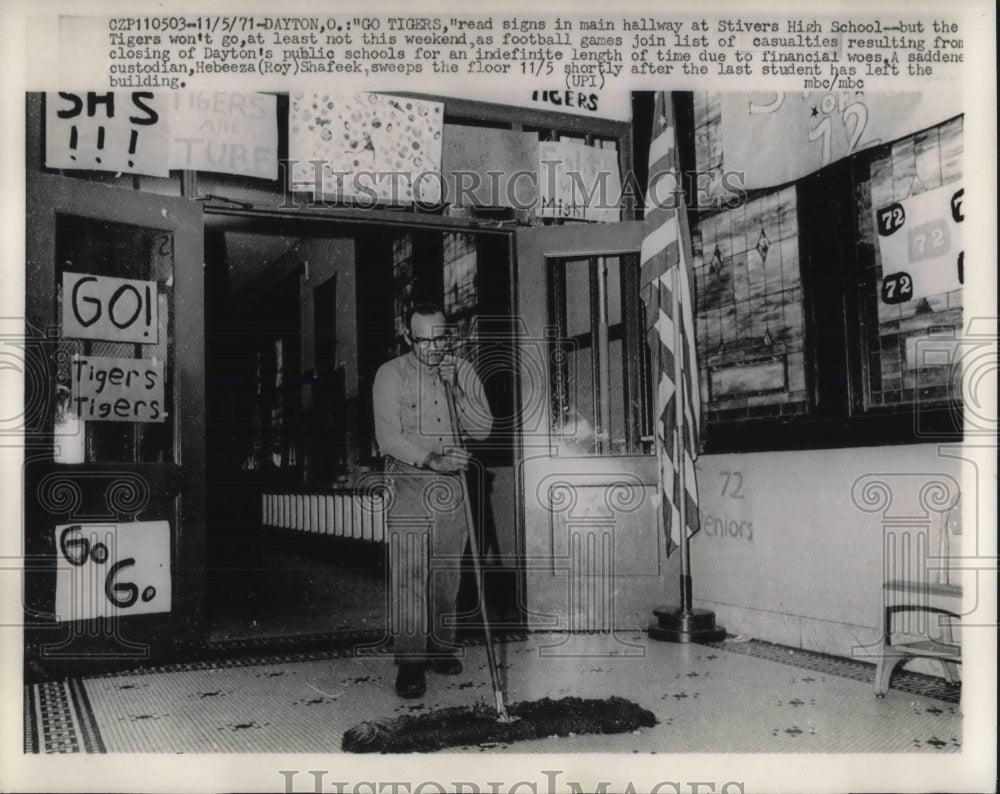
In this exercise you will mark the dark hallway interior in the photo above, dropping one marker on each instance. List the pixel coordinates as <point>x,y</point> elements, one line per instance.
<point>282,417</point>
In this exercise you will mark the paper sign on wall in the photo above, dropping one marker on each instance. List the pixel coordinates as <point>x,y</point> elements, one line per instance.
<point>920,240</point>
<point>503,160</point>
<point>372,147</point>
<point>125,132</point>
<point>118,389</point>
<point>726,505</point>
<point>112,570</point>
<point>112,309</point>
<point>224,131</point>
<point>578,182</point>
<point>773,137</point>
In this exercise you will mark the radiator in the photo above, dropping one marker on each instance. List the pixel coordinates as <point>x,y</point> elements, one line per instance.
<point>359,516</point>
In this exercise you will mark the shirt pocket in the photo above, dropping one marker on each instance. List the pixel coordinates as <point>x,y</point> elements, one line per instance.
<point>409,410</point>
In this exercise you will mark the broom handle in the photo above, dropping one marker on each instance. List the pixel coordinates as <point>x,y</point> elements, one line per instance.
<point>477,568</point>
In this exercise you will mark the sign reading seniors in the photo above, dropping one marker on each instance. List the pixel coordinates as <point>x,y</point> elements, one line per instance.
<point>112,570</point>
<point>726,501</point>
<point>776,137</point>
<point>224,131</point>
<point>371,147</point>
<point>118,131</point>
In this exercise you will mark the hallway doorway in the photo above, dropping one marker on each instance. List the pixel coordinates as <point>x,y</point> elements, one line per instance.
<point>300,313</point>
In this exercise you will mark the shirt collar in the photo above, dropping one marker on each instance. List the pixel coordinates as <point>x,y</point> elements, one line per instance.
<point>419,365</point>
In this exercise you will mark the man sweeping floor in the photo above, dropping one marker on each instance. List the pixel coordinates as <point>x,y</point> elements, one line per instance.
<point>426,403</point>
<point>425,459</point>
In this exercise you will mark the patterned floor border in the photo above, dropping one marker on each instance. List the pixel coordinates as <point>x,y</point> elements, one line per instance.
<point>316,647</point>
<point>904,680</point>
<point>58,717</point>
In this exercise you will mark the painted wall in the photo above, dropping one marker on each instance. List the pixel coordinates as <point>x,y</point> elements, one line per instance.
<point>789,554</point>
<point>503,495</point>
<point>331,258</point>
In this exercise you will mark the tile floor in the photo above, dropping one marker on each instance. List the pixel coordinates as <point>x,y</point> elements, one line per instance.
<point>734,697</point>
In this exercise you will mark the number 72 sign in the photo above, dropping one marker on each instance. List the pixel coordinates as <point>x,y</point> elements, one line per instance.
<point>920,240</point>
<point>112,570</point>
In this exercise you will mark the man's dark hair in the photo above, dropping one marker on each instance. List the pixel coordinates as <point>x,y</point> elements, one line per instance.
<point>424,309</point>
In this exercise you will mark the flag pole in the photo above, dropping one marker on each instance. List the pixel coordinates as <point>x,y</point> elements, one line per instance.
<point>679,441</point>
<point>685,623</point>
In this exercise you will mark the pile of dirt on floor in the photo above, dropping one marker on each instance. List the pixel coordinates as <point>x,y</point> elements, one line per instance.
<point>478,725</point>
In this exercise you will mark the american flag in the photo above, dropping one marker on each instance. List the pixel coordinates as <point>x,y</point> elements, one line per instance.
<point>666,268</point>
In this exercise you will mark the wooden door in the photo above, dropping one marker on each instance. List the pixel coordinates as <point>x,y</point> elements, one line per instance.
<point>114,526</point>
<point>594,551</point>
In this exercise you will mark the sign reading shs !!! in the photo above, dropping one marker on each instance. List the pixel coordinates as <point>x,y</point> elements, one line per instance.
<point>118,389</point>
<point>920,241</point>
<point>112,309</point>
<point>112,570</point>
<point>107,131</point>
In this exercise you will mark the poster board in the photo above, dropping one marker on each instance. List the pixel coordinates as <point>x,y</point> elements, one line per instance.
<point>110,389</point>
<point>578,182</point>
<point>920,240</point>
<point>111,309</point>
<point>232,132</point>
<point>112,570</point>
<point>126,132</point>
<point>372,147</point>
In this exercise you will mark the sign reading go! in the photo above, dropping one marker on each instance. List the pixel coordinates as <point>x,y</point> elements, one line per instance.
<point>112,309</point>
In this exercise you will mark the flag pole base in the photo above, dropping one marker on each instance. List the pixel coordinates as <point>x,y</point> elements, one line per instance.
<point>690,625</point>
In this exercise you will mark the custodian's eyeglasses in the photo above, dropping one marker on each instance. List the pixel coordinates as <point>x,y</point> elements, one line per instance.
<point>442,342</point>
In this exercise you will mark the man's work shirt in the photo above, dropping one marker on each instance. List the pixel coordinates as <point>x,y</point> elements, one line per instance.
<point>411,409</point>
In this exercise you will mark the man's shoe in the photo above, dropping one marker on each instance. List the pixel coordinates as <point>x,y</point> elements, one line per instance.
<point>445,665</point>
<point>410,680</point>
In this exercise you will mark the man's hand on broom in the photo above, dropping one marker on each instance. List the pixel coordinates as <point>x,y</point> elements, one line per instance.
<point>451,460</point>
<point>448,371</point>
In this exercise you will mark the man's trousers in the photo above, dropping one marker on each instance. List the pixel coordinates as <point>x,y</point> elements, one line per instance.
<point>426,532</point>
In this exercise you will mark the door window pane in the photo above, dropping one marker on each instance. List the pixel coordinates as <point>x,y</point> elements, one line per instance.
<point>101,248</point>
<point>595,306</point>
<point>577,297</point>
<point>616,398</point>
<point>614,290</point>
<point>578,419</point>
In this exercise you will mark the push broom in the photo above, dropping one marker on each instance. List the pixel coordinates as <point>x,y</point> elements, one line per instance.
<point>479,724</point>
